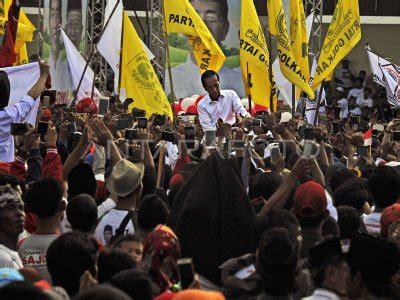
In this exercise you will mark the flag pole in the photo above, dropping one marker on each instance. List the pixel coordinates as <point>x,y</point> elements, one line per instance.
<point>318,103</point>
<point>120,57</point>
<point>293,100</point>
<point>271,100</point>
<point>249,85</point>
<point>171,84</point>
<point>92,52</point>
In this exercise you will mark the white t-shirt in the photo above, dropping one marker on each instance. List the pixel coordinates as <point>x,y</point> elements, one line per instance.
<point>355,93</point>
<point>364,102</point>
<point>110,223</point>
<point>355,111</point>
<point>344,108</point>
<point>9,258</point>
<point>373,222</point>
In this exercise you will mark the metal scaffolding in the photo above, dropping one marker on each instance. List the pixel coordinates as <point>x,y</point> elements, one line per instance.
<point>94,26</point>
<point>157,40</point>
<point>316,7</point>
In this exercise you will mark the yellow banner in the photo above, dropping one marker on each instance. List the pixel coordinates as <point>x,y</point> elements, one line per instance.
<point>254,56</point>
<point>181,17</point>
<point>289,66</point>
<point>343,34</point>
<point>299,38</point>
<point>138,79</point>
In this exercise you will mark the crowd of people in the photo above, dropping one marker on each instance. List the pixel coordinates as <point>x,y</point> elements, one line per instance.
<point>219,205</point>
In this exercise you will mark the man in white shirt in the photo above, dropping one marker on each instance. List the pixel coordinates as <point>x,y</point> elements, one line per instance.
<point>357,90</point>
<point>12,222</point>
<point>344,77</point>
<point>365,99</point>
<point>19,111</point>
<point>343,103</point>
<point>218,105</point>
<point>354,110</point>
<point>125,182</point>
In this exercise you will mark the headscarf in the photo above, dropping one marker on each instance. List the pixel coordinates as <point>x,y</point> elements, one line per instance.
<point>5,90</point>
<point>161,244</point>
<point>212,216</point>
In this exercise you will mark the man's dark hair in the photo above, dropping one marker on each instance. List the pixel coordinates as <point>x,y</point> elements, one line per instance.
<point>135,283</point>
<point>22,290</point>
<point>208,74</point>
<point>224,7</point>
<point>273,219</point>
<point>339,177</point>
<point>102,292</point>
<point>69,256</point>
<point>277,261</point>
<point>349,221</point>
<point>125,238</point>
<point>152,212</point>
<point>353,192</point>
<point>330,228</point>
<point>10,179</point>
<point>111,262</point>
<point>43,197</point>
<point>5,90</point>
<point>265,185</point>
<point>82,213</point>
<point>384,185</point>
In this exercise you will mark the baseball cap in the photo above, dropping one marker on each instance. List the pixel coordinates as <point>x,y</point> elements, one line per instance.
<point>310,200</point>
<point>125,178</point>
<point>390,215</point>
<point>285,117</point>
<point>87,105</point>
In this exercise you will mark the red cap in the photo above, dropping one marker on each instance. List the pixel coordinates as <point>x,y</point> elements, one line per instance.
<point>176,179</point>
<point>5,168</point>
<point>310,200</point>
<point>47,115</point>
<point>390,215</point>
<point>86,105</point>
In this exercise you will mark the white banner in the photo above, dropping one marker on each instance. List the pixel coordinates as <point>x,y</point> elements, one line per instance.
<point>77,64</point>
<point>22,78</point>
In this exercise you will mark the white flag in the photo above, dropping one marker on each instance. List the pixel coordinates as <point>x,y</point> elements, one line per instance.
<point>77,64</point>
<point>311,104</point>
<point>391,78</point>
<point>22,78</point>
<point>109,45</point>
<point>375,61</point>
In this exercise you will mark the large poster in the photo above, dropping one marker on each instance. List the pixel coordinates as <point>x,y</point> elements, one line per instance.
<point>71,14</point>
<point>222,18</point>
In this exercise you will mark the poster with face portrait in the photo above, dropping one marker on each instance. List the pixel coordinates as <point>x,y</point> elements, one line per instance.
<point>222,18</point>
<point>71,14</point>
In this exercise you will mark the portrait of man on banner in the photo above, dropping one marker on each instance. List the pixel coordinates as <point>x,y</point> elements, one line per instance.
<point>222,19</point>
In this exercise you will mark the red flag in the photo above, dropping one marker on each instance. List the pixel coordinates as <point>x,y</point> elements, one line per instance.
<point>8,56</point>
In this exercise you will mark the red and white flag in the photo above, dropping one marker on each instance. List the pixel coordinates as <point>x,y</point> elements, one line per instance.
<point>368,138</point>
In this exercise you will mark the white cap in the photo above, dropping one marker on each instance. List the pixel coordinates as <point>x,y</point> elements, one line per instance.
<point>285,117</point>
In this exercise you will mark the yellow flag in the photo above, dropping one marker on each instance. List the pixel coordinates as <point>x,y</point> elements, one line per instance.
<point>289,66</point>
<point>25,27</point>
<point>138,79</point>
<point>254,56</point>
<point>22,55</point>
<point>343,34</point>
<point>181,17</point>
<point>299,38</point>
